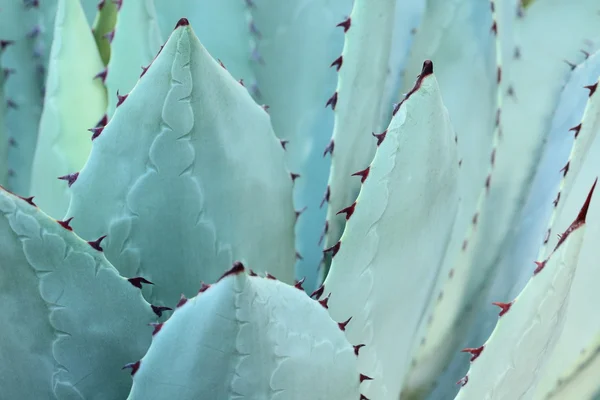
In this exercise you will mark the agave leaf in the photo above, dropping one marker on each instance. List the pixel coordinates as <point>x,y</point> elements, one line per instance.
<point>74,102</point>
<point>104,26</point>
<point>136,41</point>
<point>70,321</point>
<point>505,189</point>
<point>184,173</point>
<point>396,237</point>
<point>469,86</point>
<point>534,76</point>
<point>296,82</point>
<point>507,366</point>
<point>223,26</point>
<point>579,329</point>
<point>357,104</point>
<point>23,89</point>
<point>248,337</point>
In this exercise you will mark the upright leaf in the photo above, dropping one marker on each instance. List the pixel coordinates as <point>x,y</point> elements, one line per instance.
<point>74,102</point>
<point>186,172</point>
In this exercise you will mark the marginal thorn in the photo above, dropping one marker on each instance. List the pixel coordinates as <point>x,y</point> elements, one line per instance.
<point>299,283</point>
<point>463,381</point>
<point>592,88</point>
<point>133,366</point>
<point>182,301</point>
<point>348,211</point>
<point>338,63</point>
<point>333,249</point>
<point>158,310</point>
<point>284,143</point>
<point>318,293</point>
<point>475,352</point>
<point>138,280</point>
<point>576,129</point>
<point>332,101</point>
<point>121,99</point>
<point>157,327</point>
<point>66,224</point>
<point>343,325</point>
<point>364,377</point>
<point>96,131</point>
<point>294,176</point>
<point>70,178</point>
<point>379,136</point>
<point>504,307</point>
<point>203,287</point>
<point>345,24</point>
<point>102,75</point>
<point>540,266</point>
<point>357,348</point>
<point>324,302</point>
<point>96,243</point>
<point>363,174</point>
<point>329,148</point>
<point>326,196</point>
<point>29,200</point>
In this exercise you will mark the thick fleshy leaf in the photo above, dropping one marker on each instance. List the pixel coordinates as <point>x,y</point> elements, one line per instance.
<point>247,337</point>
<point>580,329</point>
<point>74,102</point>
<point>295,82</point>
<point>538,72</point>
<point>136,41</point>
<point>69,321</point>
<point>508,365</point>
<point>187,171</point>
<point>20,33</point>
<point>396,237</point>
<point>466,68</point>
<point>357,104</point>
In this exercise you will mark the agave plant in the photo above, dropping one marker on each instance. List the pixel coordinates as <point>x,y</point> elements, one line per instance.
<point>288,200</point>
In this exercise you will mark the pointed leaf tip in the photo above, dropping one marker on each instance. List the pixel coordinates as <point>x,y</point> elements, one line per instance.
<point>427,68</point>
<point>182,22</point>
<point>580,220</point>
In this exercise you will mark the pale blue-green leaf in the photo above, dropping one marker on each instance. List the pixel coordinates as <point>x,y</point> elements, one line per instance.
<point>299,40</point>
<point>23,89</point>
<point>187,171</point>
<point>508,365</point>
<point>70,322</point>
<point>248,338</point>
<point>357,105</point>
<point>74,102</point>
<point>396,238</point>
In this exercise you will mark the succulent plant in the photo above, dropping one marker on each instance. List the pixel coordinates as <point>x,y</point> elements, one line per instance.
<point>334,199</point>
